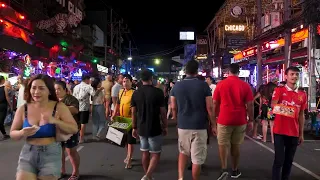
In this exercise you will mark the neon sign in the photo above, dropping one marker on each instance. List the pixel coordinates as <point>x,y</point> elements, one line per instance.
<point>71,8</point>
<point>40,65</point>
<point>78,73</point>
<point>296,37</point>
<point>249,52</point>
<point>238,28</point>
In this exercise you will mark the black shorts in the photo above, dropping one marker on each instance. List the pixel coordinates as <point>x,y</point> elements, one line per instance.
<point>256,112</point>
<point>264,113</point>
<point>72,142</point>
<point>130,138</point>
<point>84,117</point>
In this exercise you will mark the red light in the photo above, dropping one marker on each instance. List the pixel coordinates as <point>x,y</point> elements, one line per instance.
<point>21,17</point>
<point>2,5</point>
<point>1,21</point>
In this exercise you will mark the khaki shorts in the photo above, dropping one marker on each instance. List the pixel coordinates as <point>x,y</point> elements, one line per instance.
<point>193,143</point>
<point>231,134</point>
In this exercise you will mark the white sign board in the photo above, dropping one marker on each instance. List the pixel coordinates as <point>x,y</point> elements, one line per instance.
<point>114,135</point>
<point>244,73</point>
<point>187,35</point>
<point>102,68</point>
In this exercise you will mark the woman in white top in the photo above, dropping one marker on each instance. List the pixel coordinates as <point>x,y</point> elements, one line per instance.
<point>97,109</point>
<point>21,95</point>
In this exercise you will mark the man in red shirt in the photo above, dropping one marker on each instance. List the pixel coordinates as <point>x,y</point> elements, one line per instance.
<point>234,99</point>
<point>288,105</point>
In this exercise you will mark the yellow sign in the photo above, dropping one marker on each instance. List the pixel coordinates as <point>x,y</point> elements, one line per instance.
<point>234,51</point>
<point>234,27</point>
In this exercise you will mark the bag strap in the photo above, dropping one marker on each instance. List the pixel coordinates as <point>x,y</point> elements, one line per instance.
<point>26,111</point>
<point>54,110</point>
<point>121,95</point>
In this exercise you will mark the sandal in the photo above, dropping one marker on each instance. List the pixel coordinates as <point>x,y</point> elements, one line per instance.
<point>126,160</point>
<point>62,175</point>
<point>74,177</point>
<point>128,166</point>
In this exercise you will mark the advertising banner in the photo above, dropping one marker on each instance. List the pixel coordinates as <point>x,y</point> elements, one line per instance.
<point>189,52</point>
<point>202,47</point>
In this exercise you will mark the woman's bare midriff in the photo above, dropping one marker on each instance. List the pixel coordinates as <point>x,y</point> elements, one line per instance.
<point>41,141</point>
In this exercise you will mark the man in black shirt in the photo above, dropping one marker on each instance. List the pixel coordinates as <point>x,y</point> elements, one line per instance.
<point>147,107</point>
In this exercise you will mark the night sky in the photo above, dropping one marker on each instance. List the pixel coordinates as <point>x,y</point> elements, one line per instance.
<point>155,25</point>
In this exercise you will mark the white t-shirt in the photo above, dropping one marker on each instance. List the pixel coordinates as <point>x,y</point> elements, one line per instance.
<point>212,87</point>
<point>20,100</point>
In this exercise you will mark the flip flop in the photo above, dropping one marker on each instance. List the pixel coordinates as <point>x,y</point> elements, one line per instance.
<point>62,175</point>
<point>126,160</point>
<point>128,166</point>
<point>74,177</point>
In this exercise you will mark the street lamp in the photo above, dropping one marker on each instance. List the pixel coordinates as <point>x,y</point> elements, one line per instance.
<point>129,58</point>
<point>157,61</point>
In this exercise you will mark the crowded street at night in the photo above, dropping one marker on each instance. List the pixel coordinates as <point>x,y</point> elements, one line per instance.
<point>110,90</point>
<point>103,161</point>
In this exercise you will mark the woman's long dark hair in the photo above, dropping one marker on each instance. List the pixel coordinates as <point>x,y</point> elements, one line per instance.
<point>25,83</point>
<point>48,81</point>
<point>268,90</point>
<point>95,83</point>
<point>260,89</point>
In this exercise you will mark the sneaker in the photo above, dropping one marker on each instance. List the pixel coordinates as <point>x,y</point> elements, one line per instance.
<point>223,175</point>
<point>236,174</point>
<point>146,178</point>
<point>257,138</point>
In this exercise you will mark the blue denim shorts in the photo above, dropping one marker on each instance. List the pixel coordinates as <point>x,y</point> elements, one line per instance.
<point>151,144</point>
<point>41,160</point>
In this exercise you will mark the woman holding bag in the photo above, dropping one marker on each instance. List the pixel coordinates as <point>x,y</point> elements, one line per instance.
<point>41,122</point>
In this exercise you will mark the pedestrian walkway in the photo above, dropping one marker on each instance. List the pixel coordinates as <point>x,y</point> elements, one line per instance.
<point>101,161</point>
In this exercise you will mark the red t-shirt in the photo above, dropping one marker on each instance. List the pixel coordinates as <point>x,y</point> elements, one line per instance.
<point>286,96</point>
<point>232,94</point>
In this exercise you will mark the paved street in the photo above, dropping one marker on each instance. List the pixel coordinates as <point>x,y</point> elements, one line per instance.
<point>101,161</point>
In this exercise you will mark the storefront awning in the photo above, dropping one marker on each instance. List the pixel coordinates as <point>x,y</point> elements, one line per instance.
<point>295,55</point>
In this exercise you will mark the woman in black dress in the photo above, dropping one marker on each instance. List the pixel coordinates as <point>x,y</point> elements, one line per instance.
<point>4,104</point>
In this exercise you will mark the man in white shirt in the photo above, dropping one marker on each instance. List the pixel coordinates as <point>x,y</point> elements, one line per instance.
<point>82,92</point>
<point>212,86</point>
<point>115,90</point>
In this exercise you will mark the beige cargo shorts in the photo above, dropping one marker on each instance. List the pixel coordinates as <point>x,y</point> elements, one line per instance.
<point>193,143</point>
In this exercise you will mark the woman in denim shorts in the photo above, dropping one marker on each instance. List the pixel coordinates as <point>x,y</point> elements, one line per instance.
<point>36,121</point>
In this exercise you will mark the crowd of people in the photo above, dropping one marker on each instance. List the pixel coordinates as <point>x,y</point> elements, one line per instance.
<point>52,115</point>
<point>228,110</point>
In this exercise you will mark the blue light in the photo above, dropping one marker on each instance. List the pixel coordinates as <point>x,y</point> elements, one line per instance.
<point>151,69</point>
<point>122,71</point>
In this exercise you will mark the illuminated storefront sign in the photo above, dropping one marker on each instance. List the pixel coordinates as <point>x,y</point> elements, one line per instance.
<point>249,52</point>
<point>296,37</point>
<point>102,68</point>
<point>242,73</point>
<point>234,27</point>
<point>71,8</point>
<point>234,51</point>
